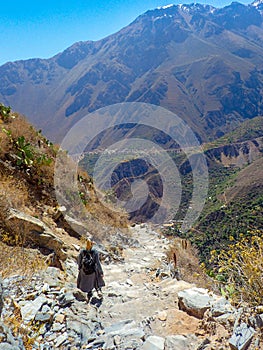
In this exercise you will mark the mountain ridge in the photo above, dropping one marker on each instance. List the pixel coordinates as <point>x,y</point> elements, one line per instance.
<point>200,64</point>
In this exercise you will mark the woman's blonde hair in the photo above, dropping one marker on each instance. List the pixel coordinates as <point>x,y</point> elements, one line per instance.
<point>89,244</point>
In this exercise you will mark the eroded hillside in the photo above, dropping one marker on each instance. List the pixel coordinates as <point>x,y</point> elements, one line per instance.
<point>31,216</point>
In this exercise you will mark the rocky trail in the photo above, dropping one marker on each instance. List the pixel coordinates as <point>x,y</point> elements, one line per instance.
<point>133,290</point>
<point>138,311</point>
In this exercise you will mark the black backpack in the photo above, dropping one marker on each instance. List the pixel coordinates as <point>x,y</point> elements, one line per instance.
<point>88,262</point>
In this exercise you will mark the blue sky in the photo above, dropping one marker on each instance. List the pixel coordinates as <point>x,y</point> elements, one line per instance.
<point>30,29</point>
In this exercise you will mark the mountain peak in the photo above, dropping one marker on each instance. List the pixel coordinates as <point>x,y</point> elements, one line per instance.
<point>209,58</point>
<point>172,10</point>
<point>258,4</point>
<point>165,7</point>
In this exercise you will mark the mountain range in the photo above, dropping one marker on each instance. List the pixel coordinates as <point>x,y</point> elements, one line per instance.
<point>203,63</point>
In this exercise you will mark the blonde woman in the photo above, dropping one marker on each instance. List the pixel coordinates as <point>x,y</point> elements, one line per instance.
<point>90,271</point>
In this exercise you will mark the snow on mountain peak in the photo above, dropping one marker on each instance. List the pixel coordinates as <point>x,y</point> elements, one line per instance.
<point>257,3</point>
<point>165,7</point>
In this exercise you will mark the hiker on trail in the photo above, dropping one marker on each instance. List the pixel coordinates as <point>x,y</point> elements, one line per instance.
<point>90,271</point>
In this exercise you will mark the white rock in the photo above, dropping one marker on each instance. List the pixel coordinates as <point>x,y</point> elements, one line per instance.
<point>153,343</point>
<point>61,339</point>
<point>180,342</point>
<point>195,301</point>
<point>30,308</point>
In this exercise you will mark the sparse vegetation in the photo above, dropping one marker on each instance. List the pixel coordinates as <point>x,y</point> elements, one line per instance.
<point>248,130</point>
<point>16,260</point>
<point>239,269</point>
<point>27,161</point>
<point>5,113</point>
<point>185,260</point>
<point>230,226</point>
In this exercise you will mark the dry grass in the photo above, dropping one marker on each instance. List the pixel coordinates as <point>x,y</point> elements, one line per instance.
<point>13,193</point>
<point>41,173</point>
<point>20,261</point>
<point>89,209</point>
<point>185,260</point>
<point>17,126</point>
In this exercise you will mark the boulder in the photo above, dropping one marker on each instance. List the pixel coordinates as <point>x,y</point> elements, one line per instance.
<point>30,308</point>
<point>221,307</point>
<point>65,299</point>
<point>195,301</point>
<point>52,278</point>
<point>36,232</point>
<point>75,228</point>
<point>79,295</point>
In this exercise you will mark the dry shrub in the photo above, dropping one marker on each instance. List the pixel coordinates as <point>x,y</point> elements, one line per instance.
<point>20,261</point>
<point>20,126</point>
<point>82,200</point>
<point>12,192</point>
<point>5,146</point>
<point>239,269</point>
<point>17,127</point>
<point>186,262</point>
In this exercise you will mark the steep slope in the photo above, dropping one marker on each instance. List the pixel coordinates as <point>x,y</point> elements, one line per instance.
<point>32,223</point>
<point>248,130</point>
<point>40,305</point>
<point>203,63</point>
<point>234,203</point>
<point>247,185</point>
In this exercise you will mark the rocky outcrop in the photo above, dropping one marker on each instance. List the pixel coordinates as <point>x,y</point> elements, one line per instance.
<point>236,154</point>
<point>34,232</point>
